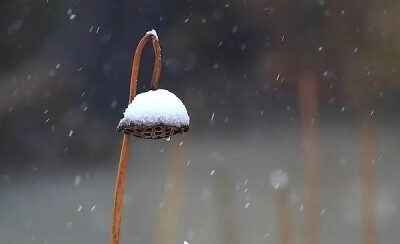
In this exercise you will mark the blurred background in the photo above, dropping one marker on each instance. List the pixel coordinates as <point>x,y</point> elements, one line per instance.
<point>294,111</point>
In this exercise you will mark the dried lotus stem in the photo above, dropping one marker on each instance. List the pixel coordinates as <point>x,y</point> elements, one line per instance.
<point>120,182</point>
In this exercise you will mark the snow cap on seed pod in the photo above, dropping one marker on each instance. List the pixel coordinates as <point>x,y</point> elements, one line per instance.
<point>155,114</point>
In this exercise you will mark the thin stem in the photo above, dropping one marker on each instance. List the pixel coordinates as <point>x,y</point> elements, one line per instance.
<point>119,190</point>
<point>120,181</point>
<point>136,62</point>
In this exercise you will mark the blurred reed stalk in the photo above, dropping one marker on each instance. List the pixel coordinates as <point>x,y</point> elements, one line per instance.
<point>225,203</point>
<point>120,181</point>
<point>368,183</point>
<point>308,100</point>
<point>284,216</point>
<point>172,196</point>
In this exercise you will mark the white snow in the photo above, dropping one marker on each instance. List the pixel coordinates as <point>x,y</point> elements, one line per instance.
<point>278,179</point>
<point>77,180</point>
<point>212,116</point>
<point>152,32</point>
<point>155,107</point>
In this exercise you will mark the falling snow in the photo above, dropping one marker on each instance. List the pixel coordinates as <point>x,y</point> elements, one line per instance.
<point>278,179</point>
<point>77,180</point>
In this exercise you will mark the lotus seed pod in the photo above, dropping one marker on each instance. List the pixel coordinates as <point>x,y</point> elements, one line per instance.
<point>155,114</point>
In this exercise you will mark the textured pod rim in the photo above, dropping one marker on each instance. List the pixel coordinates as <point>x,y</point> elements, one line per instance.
<point>154,132</point>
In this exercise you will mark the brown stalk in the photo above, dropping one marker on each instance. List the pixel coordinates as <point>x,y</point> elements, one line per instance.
<point>225,203</point>
<point>367,177</point>
<point>172,196</point>
<point>120,182</point>
<point>284,216</point>
<point>308,98</point>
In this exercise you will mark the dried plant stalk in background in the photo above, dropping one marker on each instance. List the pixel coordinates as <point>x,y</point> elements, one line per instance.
<point>368,183</point>
<point>229,231</point>
<point>308,99</point>
<point>172,197</point>
<point>284,217</point>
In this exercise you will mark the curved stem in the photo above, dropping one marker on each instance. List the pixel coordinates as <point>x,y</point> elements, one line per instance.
<point>136,62</point>
<point>120,181</point>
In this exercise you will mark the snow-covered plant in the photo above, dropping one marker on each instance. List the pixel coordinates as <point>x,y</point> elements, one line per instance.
<point>155,114</point>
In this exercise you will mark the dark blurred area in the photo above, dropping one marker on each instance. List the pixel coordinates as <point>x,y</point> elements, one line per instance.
<point>238,67</point>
